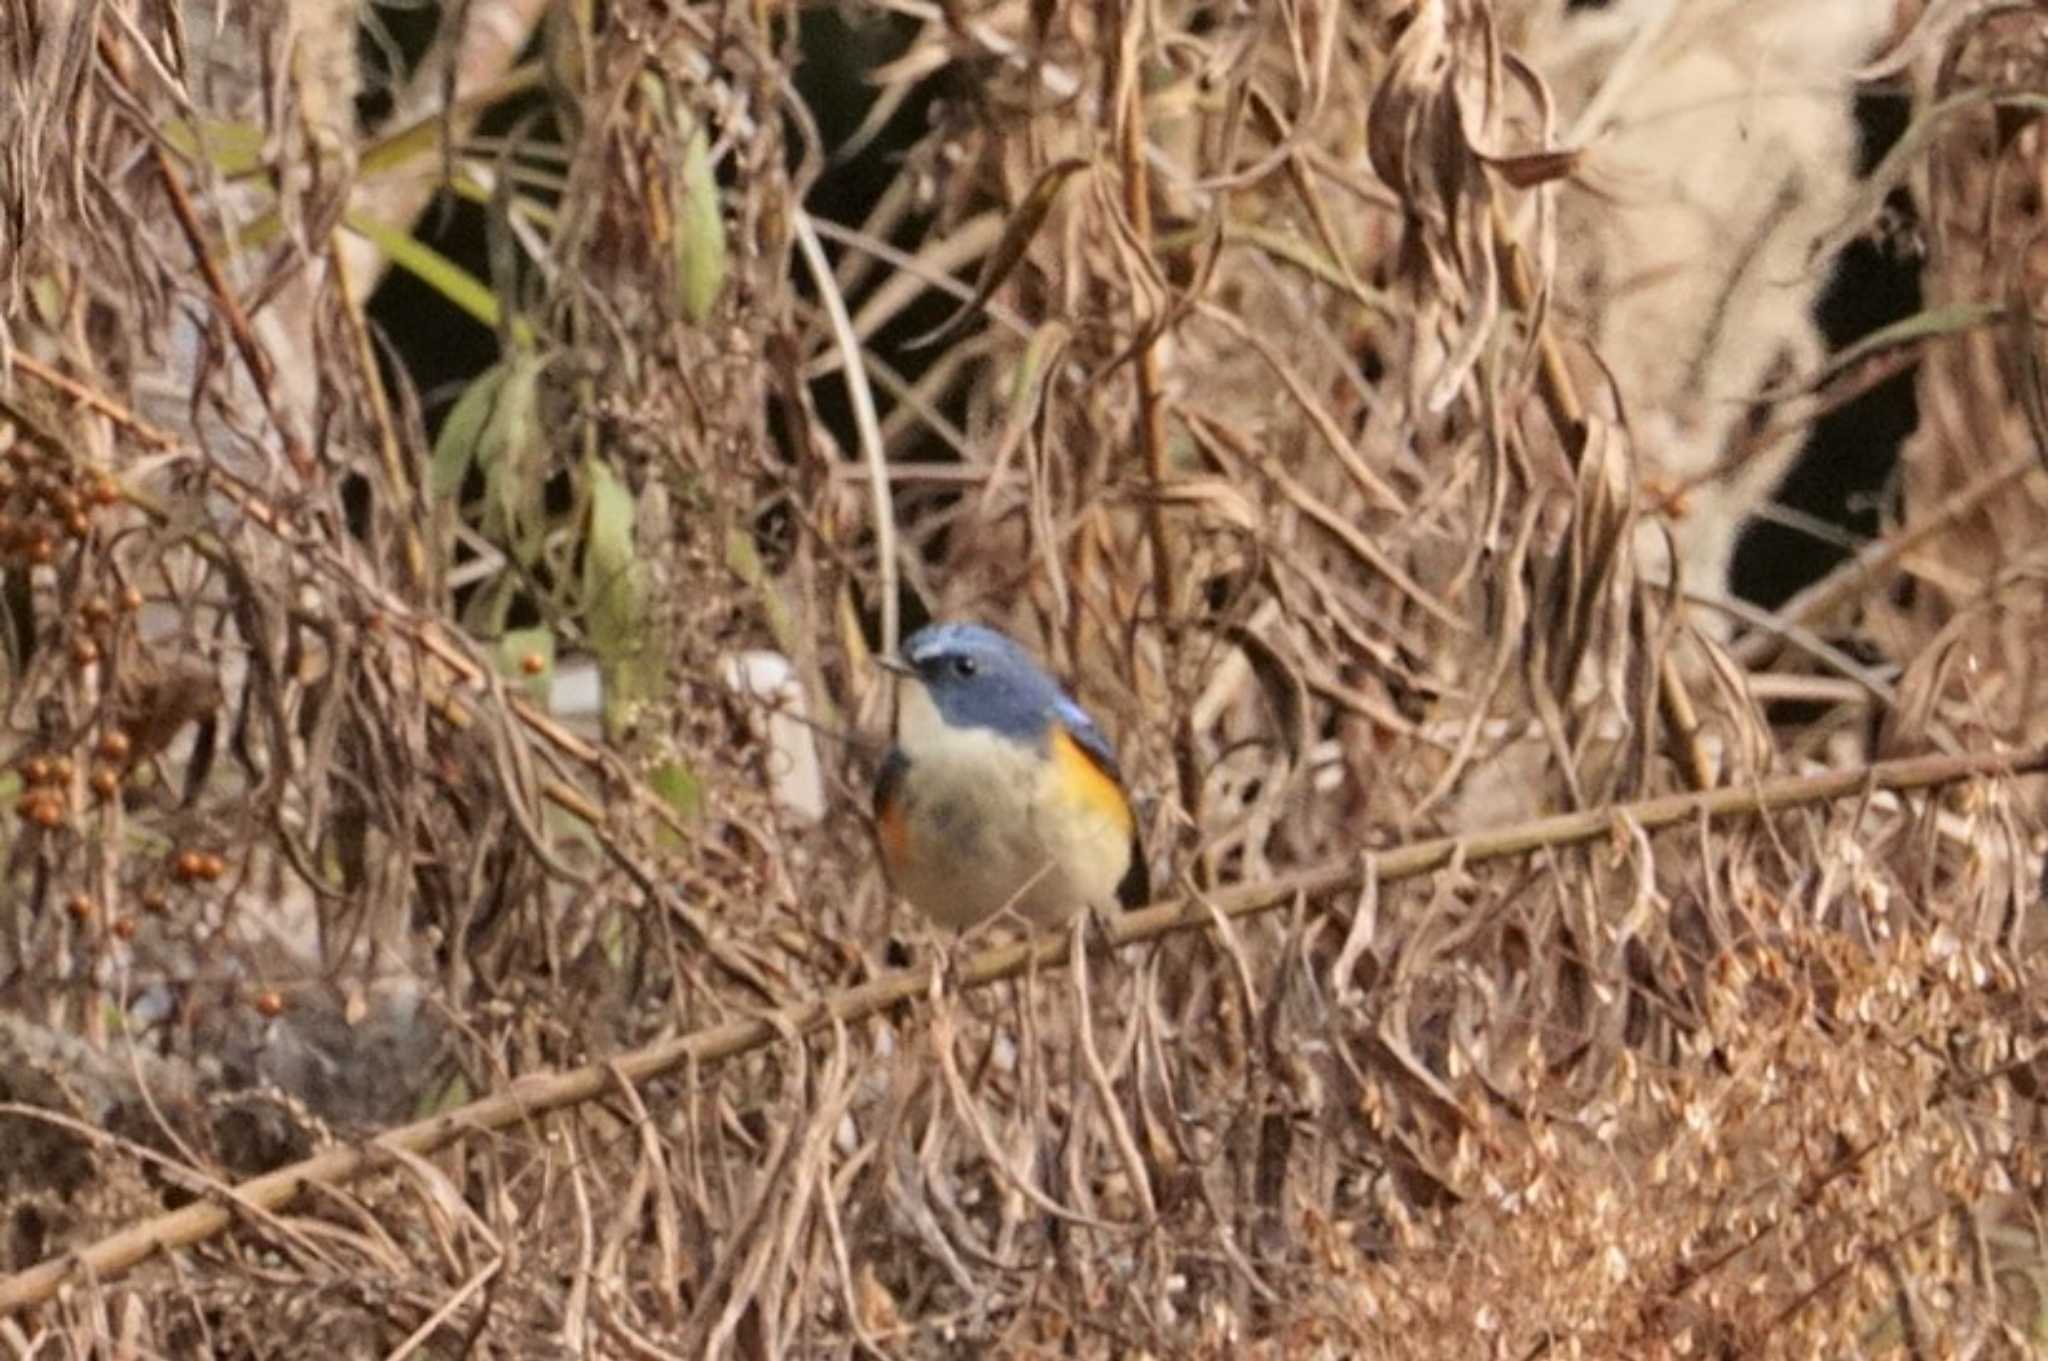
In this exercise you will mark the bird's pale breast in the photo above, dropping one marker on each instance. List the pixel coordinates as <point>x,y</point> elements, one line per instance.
<point>981,823</point>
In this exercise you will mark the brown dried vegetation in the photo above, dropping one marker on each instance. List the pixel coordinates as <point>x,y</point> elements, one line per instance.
<point>1323,421</point>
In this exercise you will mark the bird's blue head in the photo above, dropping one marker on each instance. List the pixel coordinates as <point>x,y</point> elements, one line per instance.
<point>977,678</point>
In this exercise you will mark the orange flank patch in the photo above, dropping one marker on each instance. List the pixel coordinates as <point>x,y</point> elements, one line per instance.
<point>1087,783</point>
<point>892,829</point>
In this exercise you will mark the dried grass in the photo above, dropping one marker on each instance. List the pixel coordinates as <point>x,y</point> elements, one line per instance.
<point>1297,435</point>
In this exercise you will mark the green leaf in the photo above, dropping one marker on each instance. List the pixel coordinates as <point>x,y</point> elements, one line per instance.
<point>608,550</point>
<point>495,430</point>
<point>743,557</point>
<point>614,608</point>
<point>511,451</point>
<point>678,787</point>
<point>420,143</point>
<point>456,449</point>
<point>234,149</point>
<point>436,271</point>
<point>403,150</point>
<point>701,262</point>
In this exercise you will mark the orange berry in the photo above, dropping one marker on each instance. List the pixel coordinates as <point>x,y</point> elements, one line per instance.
<point>44,810</point>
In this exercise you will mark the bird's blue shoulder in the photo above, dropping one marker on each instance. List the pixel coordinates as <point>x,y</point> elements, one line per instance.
<point>1087,734</point>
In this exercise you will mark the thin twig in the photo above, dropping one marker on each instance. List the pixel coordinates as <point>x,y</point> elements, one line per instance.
<point>1128,99</point>
<point>864,421</point>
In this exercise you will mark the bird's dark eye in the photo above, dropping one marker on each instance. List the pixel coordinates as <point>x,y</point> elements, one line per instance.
<point>965,667</point>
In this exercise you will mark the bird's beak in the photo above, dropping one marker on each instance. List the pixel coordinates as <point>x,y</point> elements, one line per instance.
<point>890,662</point>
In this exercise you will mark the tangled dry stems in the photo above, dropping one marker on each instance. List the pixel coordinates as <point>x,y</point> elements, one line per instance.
<point>1283,440</point>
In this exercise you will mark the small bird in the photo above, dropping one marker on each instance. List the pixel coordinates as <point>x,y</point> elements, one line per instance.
<point>1000,791</point>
